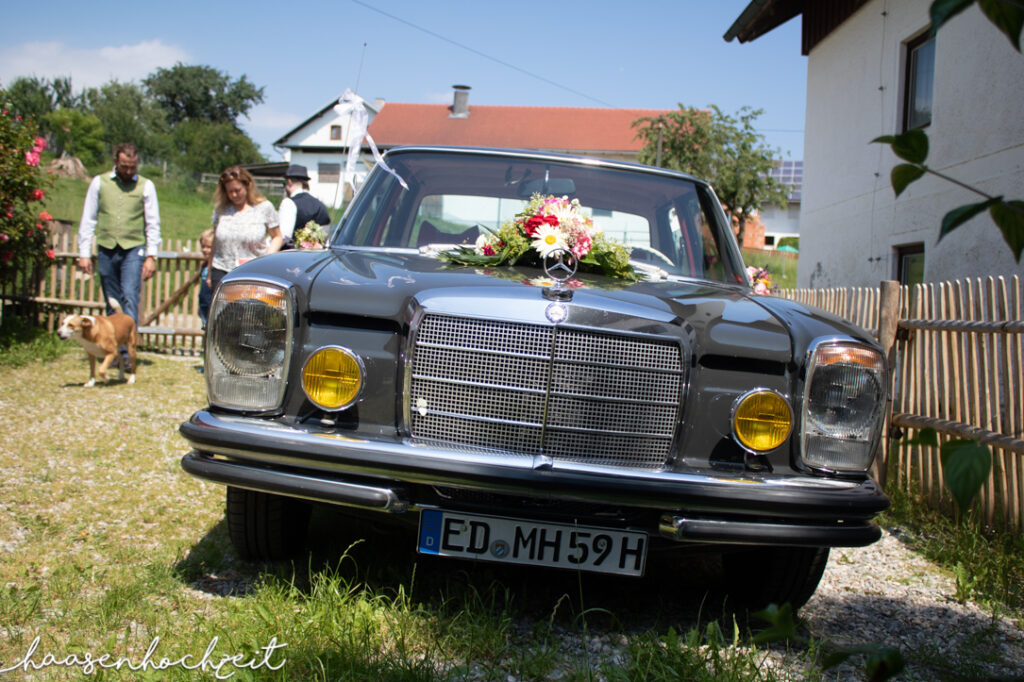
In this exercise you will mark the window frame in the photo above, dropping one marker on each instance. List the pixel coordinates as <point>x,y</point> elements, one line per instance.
<point>903,252</point>
<point>911,76</point>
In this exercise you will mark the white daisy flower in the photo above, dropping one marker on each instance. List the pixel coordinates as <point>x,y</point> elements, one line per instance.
<point>547,239</point>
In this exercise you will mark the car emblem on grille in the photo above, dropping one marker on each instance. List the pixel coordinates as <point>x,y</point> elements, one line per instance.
<point>556,312</point>
<point>560,265</point>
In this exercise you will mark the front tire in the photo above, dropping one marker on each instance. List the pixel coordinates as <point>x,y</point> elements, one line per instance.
<point>264,526</point>
<point>765,575</point>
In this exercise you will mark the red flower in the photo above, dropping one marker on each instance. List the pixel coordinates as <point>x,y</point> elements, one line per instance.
<point>50,254</point>
<point>535,221</point>
<point>8,255</point>
<point>37,195</point>
<point>44,215</point>
<point>488,250</point>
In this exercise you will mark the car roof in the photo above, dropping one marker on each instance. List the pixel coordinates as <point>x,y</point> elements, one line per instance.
<point>552,156</point>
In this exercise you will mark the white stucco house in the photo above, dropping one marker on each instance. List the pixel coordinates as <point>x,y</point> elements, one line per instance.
<point>318,143</point>
<point>873,69</point>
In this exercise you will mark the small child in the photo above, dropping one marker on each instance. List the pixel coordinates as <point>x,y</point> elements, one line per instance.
<point>205,290</point>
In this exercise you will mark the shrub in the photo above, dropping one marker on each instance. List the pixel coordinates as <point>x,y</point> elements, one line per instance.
<point>24,226</point>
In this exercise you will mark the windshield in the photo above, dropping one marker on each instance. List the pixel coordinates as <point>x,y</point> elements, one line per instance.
<point>452,198</point>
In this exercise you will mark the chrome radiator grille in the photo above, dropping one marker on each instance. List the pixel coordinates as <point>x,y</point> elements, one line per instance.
<point>572,395</point>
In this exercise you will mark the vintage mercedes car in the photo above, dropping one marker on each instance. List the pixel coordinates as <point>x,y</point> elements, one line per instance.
<point>543,360</point>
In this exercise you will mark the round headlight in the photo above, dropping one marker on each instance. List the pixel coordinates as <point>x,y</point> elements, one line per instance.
<point>332,378</point>
<point>250,336</point>
<point>761,420</point>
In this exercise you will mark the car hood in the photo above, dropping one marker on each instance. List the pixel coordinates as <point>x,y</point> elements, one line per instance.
<point>714,318</point>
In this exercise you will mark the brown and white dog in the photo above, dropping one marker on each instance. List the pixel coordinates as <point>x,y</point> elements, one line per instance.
<point>101,336</point>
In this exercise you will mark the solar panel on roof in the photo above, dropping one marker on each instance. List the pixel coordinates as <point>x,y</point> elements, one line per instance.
<point>790,173</point>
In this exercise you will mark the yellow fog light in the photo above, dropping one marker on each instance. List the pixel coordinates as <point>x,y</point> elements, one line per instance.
<point>761,420</point>
<point>332,378</point>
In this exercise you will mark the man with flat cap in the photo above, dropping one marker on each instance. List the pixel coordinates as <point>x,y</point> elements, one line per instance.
<point>299,207</point>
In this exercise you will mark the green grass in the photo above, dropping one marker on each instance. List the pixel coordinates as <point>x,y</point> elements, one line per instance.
<point>22,343</point>
<point>987,563</point>
<point>781,267</point>
<point>107,545</point>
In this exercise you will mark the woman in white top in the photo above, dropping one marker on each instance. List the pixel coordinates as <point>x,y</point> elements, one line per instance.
<point>243,220</point>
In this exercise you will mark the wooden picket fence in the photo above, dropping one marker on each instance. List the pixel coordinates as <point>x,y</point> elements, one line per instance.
<point>168,308</point>
<point>957,366</point>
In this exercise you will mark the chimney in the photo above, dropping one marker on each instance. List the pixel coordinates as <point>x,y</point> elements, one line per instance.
<point>460,102</point>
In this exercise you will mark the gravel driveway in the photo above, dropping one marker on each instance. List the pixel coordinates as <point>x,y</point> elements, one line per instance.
<point>887,594</point>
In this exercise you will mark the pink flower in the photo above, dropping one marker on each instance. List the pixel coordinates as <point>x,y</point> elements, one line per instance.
<point>40,145</point>
<point>50,254</point>
<point>37,195</point>
<point>44,215</point>
<point>582,245</point>
<point>32,158</point>
<point>4,238</point>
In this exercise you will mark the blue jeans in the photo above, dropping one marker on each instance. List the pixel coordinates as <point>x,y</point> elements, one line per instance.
<point>121,277</point>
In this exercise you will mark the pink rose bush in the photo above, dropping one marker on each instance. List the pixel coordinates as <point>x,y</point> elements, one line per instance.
<point>24,231</point>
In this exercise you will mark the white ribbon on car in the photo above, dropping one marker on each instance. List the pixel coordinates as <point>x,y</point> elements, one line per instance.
<point>352,105</point>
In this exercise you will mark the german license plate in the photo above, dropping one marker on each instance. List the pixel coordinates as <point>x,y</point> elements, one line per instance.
<point>518,541</point>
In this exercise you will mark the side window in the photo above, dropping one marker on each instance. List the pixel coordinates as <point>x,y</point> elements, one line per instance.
<point>328,172</point>
<point>919,80</point>
<point>910,264</point>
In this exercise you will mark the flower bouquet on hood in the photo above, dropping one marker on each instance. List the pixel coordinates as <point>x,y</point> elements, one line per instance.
<point>311,236</point>
<point>547,223</point>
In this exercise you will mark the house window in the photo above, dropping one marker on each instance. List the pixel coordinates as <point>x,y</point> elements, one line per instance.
<point>328,172</point>
<point>920,79</point>
<point>910,264</point>
<point>335,132</point>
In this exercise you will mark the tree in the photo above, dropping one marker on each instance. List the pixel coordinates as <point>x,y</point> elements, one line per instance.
<point>201,93</point>
<point>213,146</point>
<point>77,133</point>
<point>128,114</point>
<point>722,149</point>
<point>34,98</point>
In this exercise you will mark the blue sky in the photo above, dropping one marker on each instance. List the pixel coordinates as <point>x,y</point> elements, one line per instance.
<point>592,53</point>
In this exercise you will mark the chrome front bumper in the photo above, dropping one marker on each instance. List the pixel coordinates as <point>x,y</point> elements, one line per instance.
<point>380,474</point>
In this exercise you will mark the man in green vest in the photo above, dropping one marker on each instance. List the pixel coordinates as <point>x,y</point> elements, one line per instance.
<point>122,213</point>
